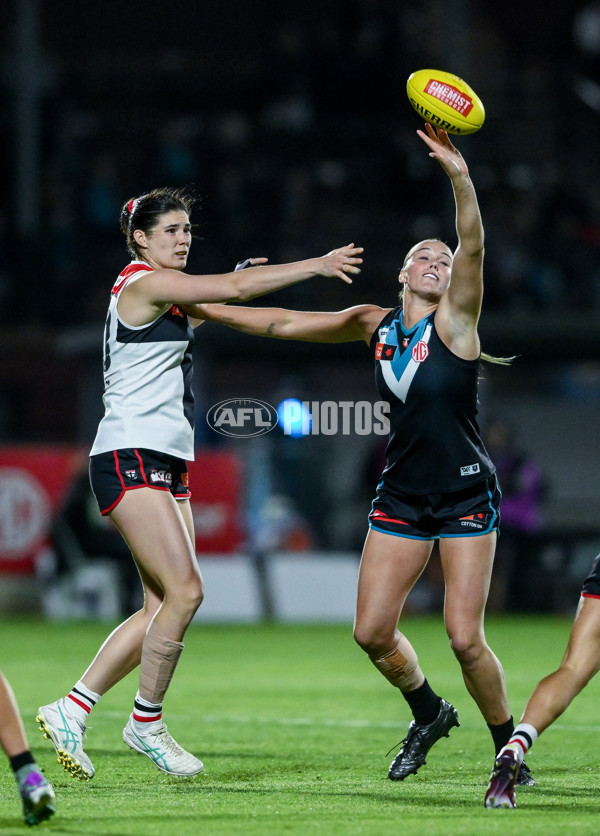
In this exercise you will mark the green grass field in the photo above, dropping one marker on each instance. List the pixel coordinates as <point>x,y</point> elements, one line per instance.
<point>293,725</point>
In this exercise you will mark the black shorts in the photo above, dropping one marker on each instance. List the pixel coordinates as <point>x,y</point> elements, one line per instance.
<point>470,512</point>
<point>113,473</point>
<point>591,585</point>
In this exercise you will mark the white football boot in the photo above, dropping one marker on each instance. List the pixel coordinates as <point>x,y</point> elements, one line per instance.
<point>159,746</point>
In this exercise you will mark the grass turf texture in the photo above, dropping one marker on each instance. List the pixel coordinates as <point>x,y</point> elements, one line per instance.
<point>293,725</point>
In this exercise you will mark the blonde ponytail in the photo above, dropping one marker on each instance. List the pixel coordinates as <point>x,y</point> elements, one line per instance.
<point>499,361</point>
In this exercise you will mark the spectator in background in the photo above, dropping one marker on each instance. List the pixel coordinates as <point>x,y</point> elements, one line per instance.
<point>524,490</point>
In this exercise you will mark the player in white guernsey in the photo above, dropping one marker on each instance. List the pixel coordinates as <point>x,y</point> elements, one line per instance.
<point>147,379</point>
<point>553,694</point>
<point>438,482</point>
<point>138,463</point>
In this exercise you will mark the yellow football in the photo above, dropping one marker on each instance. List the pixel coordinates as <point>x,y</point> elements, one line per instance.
<point>446,101</point>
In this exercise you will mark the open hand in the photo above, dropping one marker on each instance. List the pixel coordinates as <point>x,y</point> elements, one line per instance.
<point>341,261</point>
<point>442,150</point>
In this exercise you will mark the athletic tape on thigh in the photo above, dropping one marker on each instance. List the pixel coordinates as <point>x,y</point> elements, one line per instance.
<point>159,660</point>
<point>403,673</point>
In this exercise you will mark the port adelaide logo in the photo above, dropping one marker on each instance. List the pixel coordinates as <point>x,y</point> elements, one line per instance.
<point>242,417</point>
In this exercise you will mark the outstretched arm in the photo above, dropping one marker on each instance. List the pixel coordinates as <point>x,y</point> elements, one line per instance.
<point>351,324</point>
<point>465,293</point>
<point>161,287</point>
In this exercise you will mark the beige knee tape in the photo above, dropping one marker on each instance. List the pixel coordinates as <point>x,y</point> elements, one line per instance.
<point>403,673</point>
<point>159,660</point>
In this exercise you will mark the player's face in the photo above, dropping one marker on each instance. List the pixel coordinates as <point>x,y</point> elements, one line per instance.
<point>428,270</point>
<point>168,243</point>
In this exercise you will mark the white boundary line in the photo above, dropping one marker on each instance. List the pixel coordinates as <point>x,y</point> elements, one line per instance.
<point>309,721</point>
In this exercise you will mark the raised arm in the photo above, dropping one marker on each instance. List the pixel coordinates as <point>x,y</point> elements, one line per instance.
<point>464,296</point>
<point>349,325</point>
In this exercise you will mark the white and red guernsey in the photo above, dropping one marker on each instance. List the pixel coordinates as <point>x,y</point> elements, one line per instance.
<point>148,397</point>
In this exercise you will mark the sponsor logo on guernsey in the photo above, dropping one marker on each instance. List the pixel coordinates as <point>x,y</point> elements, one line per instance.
<point>469,469</point>
<point>399,372</point>
<point>161,476</point>
<point>420,352</point>
<point>385,352</point>
<point>383,332</point>
<point>450,96</point>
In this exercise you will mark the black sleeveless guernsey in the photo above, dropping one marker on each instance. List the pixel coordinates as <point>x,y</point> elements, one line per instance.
<point>435,444</point>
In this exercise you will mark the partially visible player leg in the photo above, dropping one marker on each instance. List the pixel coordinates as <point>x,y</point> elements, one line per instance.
<point>551,697</point>
<point>580,663</point>
<point>165,549</point>
<point>390,567</point>
<point>64,721</point>
<point>37,795</point>
<point>467,563</point>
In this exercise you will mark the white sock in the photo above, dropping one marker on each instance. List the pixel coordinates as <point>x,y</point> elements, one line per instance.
<point>146,716</point>
<point>80,701</point>
<point>522,739</point>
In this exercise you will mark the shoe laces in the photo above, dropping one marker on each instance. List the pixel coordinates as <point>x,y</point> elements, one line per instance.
<point>167,740</point>
<point>395,746</point>
<point>413,730</point>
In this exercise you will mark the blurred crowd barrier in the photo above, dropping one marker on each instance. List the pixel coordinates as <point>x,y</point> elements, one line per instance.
<point>45,489</point>
<point>60,558</point>
<point>58,555</point>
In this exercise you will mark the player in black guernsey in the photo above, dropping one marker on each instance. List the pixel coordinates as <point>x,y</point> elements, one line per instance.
<point>438,482</point>
<point>434,444</point>
<point>138,465</point>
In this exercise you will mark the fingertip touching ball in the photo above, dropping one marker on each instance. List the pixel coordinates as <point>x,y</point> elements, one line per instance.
<point>445,101</point>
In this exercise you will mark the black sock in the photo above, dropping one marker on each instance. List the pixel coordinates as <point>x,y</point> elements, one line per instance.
<point>21,760</point>
<point>424,704</point>
<point>501,734</point>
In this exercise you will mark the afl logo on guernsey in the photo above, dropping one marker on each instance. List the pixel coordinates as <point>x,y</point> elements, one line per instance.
<point>420,352</point>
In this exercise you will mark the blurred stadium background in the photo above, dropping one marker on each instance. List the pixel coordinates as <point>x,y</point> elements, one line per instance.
<point>291,120</point>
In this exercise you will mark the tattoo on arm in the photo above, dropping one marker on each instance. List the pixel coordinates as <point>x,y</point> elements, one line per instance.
<point>271,328</point>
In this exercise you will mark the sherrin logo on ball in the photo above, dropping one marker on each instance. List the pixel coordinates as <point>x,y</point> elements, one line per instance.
<point>446,101</point>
